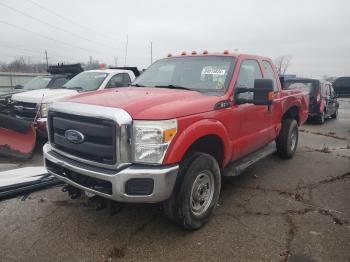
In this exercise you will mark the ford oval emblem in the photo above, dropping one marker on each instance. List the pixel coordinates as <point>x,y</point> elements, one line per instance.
<point>74,136</point>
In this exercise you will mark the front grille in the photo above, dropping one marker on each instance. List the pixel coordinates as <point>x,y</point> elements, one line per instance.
<point>100,136</point>
<point>83,180</point>
<point>25,110</point>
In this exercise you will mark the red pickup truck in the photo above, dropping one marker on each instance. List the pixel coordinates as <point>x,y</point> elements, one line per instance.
<point>184,123</point>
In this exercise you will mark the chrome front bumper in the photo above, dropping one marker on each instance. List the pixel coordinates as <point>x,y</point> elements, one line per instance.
<point>164,178</point>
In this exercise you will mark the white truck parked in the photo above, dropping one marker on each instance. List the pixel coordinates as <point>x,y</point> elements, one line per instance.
<point>33,105</point>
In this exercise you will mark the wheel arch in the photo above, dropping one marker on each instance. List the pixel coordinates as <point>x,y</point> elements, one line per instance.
<point>292,112</point>
<point>207,136</point>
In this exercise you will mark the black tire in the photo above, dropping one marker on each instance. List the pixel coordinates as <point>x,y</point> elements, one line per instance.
<point>335,115</point>
<point>287,144</point>
<point>320,118</point>
<point>179,207</point>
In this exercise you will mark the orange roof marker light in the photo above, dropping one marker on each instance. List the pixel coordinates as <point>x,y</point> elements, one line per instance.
<point>183,53</point>
<point>226,52</point>
<point>205,52</point>
<point>170,55</point>
<point>194,52</point>
<point>102,66</point>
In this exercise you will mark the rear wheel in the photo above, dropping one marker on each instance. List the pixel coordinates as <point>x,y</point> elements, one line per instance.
<point>196,192</point>
<point>335,115</point>
<point>320,118</point>
<point>287,140</point>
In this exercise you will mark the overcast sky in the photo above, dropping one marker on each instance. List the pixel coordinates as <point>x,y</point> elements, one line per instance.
<point>316,34</point>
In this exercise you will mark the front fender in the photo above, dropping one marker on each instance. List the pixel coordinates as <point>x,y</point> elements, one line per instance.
<point>191,133</point>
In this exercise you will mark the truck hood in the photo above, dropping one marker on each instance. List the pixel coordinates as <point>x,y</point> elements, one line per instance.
<point>9,93</point>
<point>151,103</point>
<point>50,95</point>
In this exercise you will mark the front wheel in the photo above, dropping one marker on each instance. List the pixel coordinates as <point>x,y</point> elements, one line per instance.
<point>287,140</point>
<point>196,192</point>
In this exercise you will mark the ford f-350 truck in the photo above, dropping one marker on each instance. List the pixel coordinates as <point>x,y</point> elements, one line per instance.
<point>184,123</point>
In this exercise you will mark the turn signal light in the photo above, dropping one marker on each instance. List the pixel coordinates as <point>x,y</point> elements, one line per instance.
<point>226,52</point>
<point>271,96</point>
<point>183,53</point>
<point>169,134</point>
<point>205,52</point>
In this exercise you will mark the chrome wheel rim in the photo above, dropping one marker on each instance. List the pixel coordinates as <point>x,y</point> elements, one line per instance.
<point>293,139</point>
<point>202,192</point>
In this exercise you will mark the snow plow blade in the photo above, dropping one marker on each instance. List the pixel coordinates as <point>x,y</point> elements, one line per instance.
<point>17,137</point>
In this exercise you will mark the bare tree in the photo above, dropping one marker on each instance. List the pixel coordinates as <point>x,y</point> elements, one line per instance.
<point>282,63</point>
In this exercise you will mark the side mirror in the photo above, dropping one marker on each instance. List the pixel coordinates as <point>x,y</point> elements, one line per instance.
<point>18,86</point>
<point>262,93</point>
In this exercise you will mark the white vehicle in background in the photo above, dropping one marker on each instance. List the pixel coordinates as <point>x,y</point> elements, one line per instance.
<point>33,105</point>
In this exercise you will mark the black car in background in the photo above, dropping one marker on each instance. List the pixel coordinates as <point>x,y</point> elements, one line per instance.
<point>342,86</point>
<point>323,99</point>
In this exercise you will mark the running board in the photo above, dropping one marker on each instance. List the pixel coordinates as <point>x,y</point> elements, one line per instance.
<point>237,167</point>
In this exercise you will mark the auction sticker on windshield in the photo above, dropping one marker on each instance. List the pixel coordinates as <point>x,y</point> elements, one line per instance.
<point>209,70</point>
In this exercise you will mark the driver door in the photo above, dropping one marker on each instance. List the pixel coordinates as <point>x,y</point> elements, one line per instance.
<point>255,121</point>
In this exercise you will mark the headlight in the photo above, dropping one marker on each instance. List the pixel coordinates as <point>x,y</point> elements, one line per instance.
<point>44,108</point>
<point>151,140</point>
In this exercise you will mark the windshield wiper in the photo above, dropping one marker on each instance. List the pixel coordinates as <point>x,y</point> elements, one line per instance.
<point>137,85</point>
<point>176,87</point>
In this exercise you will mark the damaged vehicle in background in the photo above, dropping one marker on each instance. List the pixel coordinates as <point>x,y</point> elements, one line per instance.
<point>58,76</point>
<point>323,100</point>
<point>183,124</point>
<point>34,104</point>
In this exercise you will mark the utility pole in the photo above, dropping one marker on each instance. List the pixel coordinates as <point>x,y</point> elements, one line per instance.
<point>151,54</point>
<point>47,60</point>
<point>126,49</point>
<point>116,61</point>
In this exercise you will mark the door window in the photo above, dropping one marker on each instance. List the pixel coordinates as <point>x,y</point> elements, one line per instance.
<point>270,74</point>
<point>248,72</point>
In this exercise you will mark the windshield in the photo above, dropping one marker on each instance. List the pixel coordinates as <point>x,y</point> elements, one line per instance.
<point>38,82</point>
<point>303,85</point>
<point>204,74</point>
<point>86,81</point>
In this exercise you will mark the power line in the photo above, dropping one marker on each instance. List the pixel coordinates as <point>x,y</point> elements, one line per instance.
<point>26,49</point>
<point>50,38</point>
<point>19,48</point>
<point>56,57</point>
<point>53,26</point>
<point>17,55</point>
<point>73,22</point>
